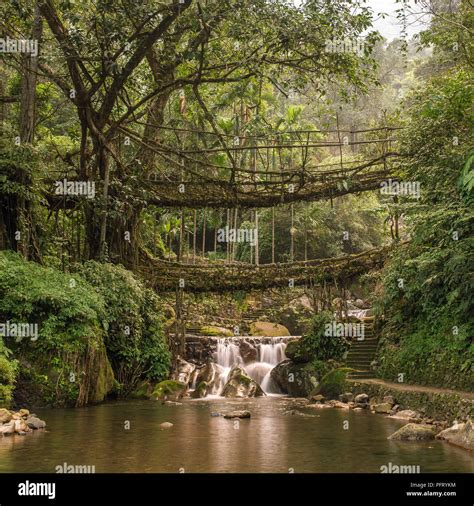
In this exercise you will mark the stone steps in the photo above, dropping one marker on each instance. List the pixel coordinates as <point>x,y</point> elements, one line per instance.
<point>362,353</point>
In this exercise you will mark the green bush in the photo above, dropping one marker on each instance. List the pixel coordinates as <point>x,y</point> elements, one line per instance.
<point>8,372</point>
<point>61,362</point>
<point>316,344</point>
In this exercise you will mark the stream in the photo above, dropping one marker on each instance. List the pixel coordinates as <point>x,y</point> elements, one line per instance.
<point>272,440</point>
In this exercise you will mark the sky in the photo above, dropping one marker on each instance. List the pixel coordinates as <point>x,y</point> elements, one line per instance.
<point>390,27</point>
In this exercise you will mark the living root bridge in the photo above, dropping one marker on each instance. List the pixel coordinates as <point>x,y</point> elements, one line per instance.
<point>298,186</point>
<point>165,276</point>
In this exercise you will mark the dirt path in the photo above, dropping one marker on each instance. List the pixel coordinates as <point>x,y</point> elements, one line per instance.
<point>415,388</point>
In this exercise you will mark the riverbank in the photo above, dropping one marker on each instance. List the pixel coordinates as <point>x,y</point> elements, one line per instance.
<point>431,402</point>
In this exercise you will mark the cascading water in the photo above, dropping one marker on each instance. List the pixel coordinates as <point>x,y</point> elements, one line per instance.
<point>269,355</point>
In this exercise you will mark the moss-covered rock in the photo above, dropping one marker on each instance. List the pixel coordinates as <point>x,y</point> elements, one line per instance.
<point>143,391</point>
<point>169,389</point>
<point>414,432</point>
<point>296,352</point>
<point>240,385</point>
<point>5,415</point>
<point>102,380</point>
<point>299,380</point>
<point>211,330</point>
<point>295,315</point>
<point>201,390</point>
<point>268,329</point>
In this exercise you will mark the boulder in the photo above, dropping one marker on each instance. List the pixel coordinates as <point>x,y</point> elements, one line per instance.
<point>169,390</point>
<point>389,399</point>
<point>406,414</point>
<point>143,391</point>
<point>35,423</point>
<point>268,329</point>
<point>338,404</point>
<point>211,330</point>
<point>414,432</point>
<point>361,400</point>
<point>248,352</point>
<point>361,304</point>
<point>319,405</point>
<point>201,391</point>
<point>5,415</point>
<point>210,375</point>
<point>24,413</point>
<point>460,434</point>
<point>21,427</point>
<point>239,385</point>
<point>102,381</point>
<point>183,371</point>
<point>296,314</point>
<point>237,414</point>
<point>318,398</point>
<point>166,425</point>
<point>384,408</point>
<point>297,380</point>
<point>295,352</point>
<point>8,428</point>
<point>346,397</point>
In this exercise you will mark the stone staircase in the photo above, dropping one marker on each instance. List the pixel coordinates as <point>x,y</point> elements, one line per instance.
<point>362,353</point>
<point>195,330</point>
<point>254,315</point>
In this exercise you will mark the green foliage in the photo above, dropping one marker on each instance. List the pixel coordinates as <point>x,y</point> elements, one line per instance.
<point>8,372</point>
<point>333,383</point>
<point>316,344</point>
<point>134,339</point>
<point>428,285</point>
<point>67,312</point>
<point>76,314</point>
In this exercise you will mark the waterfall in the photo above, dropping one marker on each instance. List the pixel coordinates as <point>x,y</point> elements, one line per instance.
<point>269,355</point>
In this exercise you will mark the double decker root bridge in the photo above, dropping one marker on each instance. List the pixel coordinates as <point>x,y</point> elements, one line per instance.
<point>198,170</point>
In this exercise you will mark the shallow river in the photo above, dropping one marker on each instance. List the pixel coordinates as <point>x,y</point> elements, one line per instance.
<point>271,441</point>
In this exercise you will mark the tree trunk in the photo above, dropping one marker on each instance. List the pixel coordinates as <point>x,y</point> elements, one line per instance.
<point>204,234</point>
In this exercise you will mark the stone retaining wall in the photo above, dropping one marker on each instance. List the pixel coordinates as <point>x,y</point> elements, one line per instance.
<point>439,406</point>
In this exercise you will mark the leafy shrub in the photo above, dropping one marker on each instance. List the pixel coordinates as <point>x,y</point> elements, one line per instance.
<point>8,371</point>
<point>68,313</point>
<point>317,345</point>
